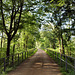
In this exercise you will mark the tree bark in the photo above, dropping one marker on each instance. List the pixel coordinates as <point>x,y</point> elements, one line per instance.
<point>13,49</point>
<point>26,42</point>
<point>8,50</point>
<point>1,40</point>
<point>4,42</point>
<point>24,45</point>
<point>1,43</point>
<point>13,53</point>
<point>8,47</point>
<point>1,5</point>
<point>53,45</point>
<point>63,51</point>
<point>59,45</point>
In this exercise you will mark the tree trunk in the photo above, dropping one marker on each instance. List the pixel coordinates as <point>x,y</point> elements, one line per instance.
<point>4,42</point>
<point>13,53</point>
<point>24,45</point>
<point>26,42</point>
<point>53,45</point>
<point>8,47</point>
<point>13,49</point>
<point>62,45</point>
<point>59,45</point>
<point>1,43</point>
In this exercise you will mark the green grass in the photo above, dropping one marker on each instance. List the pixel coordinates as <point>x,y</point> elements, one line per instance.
<point>32,53</point>
<point>57,50</point>
<point>70,71</point>
<point>9,68</point>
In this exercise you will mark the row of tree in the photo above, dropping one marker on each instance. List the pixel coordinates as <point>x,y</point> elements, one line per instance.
<point>18,26</point>
<point>20,21</point>
<point>60,26</point>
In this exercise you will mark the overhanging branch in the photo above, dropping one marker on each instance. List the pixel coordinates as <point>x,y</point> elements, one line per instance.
<point>13,17</point>
<point>3,18</point>
<point>15,31</point>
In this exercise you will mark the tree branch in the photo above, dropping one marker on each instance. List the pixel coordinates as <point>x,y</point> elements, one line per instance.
<point>3,18</point>
<point>13,17</point>
<point>15,31</point>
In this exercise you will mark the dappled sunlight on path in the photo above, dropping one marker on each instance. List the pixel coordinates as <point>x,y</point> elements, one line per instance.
<point>39,64</point>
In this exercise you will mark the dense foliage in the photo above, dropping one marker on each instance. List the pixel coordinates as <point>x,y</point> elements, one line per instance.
<point>26,24</point>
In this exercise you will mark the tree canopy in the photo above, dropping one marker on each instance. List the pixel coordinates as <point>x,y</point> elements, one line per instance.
<point>24,24</point>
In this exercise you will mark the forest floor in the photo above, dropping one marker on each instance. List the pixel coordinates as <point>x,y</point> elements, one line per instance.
<point>39,64</point>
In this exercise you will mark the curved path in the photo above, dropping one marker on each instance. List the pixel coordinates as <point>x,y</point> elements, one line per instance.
<point>39,64</point>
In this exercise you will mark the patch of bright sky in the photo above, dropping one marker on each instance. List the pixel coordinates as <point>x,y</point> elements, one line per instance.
<point>48,16</point>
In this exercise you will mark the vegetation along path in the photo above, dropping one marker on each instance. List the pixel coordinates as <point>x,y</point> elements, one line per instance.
<point>39,64</point>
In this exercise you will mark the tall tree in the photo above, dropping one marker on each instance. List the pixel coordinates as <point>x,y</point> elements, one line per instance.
<point>13,15</point>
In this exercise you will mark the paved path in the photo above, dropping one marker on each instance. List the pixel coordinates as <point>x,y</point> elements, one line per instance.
<point>39,64</point>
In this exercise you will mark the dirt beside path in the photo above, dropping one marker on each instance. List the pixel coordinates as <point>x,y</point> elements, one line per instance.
<point>39,64</point>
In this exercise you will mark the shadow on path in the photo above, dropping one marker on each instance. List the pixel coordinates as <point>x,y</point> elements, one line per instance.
<point>39,64</point>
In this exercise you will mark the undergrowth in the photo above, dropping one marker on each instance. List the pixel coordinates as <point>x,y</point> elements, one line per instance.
<point>8,69</point>
<point>70,70</point>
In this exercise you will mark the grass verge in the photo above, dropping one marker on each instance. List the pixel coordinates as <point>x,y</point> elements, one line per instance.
<point>8,69</point>
<point>70,71</point>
